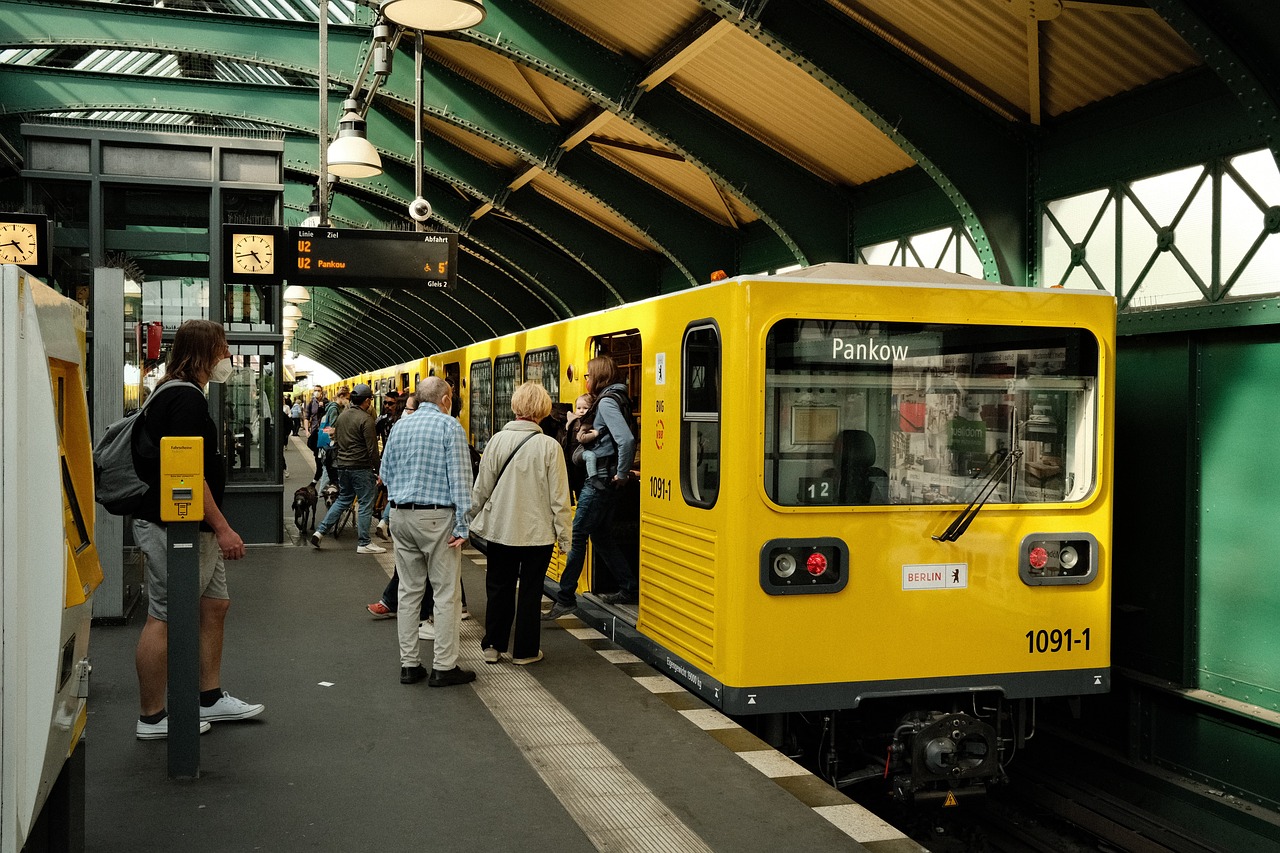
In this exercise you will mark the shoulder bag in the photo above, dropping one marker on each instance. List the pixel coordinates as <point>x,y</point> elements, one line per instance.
<point>478,541</point>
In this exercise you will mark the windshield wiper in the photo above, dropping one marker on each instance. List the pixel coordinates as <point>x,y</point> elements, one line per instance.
<point>962,521</point>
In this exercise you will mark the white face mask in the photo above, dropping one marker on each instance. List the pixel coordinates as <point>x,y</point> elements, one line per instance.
<point>221,371</point>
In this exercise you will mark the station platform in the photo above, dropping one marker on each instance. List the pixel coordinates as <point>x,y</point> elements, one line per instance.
<point>586,750</point>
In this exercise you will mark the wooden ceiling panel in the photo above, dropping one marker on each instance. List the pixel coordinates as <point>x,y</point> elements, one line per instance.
<point>751,87</point>
<point>1092,52</point>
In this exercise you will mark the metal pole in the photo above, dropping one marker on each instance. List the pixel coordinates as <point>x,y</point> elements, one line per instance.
<point>322,191</point>
<point>419,44</point>
<point>183,569</point>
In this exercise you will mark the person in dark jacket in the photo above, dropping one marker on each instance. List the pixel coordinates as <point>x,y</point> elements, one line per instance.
<point>615,451</point>
<point>357,466</point>
<point>199,356</point>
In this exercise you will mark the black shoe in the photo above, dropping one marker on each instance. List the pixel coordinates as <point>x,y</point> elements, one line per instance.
<point>414,674</point>
<point>557,610</point>
<point>619,598</point>
<point>450,677</point>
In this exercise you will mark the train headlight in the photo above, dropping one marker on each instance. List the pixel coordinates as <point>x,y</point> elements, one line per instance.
<point>1058,558</point>
<point>825,561</point>
<point>1068,557</point>
<point>784,565</point>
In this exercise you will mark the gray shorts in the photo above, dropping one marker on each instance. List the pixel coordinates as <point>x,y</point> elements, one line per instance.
<point>153,539</point>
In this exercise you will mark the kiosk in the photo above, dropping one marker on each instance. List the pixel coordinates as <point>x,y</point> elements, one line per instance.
<point>48,565</point>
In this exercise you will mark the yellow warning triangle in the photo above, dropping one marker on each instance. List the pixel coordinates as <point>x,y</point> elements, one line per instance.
<point>950,800</point>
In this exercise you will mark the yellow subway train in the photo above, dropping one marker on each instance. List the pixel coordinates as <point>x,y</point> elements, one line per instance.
<point>866,494</point>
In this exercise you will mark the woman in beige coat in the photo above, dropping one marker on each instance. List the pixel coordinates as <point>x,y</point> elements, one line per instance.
<point>522,518</point>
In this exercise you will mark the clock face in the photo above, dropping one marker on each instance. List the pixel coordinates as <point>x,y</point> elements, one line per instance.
<point>17,243</point>
<point>253,253</point>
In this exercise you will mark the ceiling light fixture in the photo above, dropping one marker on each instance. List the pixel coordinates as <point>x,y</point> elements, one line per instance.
<point>436,16</point>
<point>351,155</point>
<point>296,293</point>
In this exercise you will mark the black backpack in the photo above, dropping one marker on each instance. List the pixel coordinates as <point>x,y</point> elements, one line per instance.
<point>116,484</point>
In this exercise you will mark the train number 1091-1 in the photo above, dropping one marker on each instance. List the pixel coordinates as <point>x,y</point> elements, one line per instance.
<point>660,488</point>
<point>1057,640</point>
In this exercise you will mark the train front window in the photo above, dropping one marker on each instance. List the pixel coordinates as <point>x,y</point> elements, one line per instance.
<point>872,413</point>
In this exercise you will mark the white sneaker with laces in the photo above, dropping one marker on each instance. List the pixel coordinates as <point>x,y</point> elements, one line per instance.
<point>229,708</point>
<point>160,730</point>
<point>370,549</point>
<point>427,630</point>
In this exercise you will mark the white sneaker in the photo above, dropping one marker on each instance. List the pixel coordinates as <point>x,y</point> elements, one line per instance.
<point>229,708</point>
<point>370,549</point>
<point>382,530</point>
<point>427,630</point>
<point>160,730</point>
<point>317,538</point>
<point>465,615</point>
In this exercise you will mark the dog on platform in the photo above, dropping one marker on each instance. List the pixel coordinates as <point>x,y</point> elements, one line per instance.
<point>304,508</point>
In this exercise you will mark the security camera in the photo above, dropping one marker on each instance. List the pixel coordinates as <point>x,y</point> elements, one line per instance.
<point>419,209</point>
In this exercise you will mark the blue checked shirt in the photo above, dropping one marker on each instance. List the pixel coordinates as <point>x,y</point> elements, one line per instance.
<point>426,461</point>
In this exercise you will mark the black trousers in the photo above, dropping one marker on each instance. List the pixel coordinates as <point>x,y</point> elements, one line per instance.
<point>509,565</point>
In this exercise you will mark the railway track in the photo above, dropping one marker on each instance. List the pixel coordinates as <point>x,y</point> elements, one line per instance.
<point>1054,814</point>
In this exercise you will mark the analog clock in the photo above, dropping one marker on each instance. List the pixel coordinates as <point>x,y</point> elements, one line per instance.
<point>17,242</point>
<point>253,253</point>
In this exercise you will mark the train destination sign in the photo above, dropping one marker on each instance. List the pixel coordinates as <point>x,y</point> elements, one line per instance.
<point>348,257</point>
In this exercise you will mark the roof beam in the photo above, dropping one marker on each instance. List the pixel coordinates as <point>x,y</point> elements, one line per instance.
<point>705,32</point>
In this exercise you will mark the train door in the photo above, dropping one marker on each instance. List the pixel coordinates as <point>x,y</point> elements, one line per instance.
<point>481,400</point>
<point>453,375</point>
<point>627,353</point>
<point>506,378</point>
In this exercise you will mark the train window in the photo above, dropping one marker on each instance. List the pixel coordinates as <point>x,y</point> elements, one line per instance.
<point>543,366</point>
<point>700,414</point>
<point>506,376</point>
<point>481,402</point>
<point>923,413</point>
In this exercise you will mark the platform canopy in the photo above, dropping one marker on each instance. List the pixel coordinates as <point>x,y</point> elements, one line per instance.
<point>593,152</point>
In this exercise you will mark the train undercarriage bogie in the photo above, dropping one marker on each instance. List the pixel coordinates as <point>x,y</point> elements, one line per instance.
<point>917,755</point>
<point>936,754</point>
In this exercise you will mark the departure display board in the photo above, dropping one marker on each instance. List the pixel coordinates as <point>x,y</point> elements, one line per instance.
<point>347,257</point>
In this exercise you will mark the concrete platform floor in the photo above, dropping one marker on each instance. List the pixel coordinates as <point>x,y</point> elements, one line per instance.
<point>586,750</point>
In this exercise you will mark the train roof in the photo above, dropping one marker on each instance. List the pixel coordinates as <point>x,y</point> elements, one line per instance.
<point>871,275</point>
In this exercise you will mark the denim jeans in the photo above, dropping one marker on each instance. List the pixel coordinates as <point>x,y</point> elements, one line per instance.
<point>593,519</point>
<point>353,484</point>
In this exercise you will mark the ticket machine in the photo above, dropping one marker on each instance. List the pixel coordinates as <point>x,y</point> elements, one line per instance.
<point>48,563</point>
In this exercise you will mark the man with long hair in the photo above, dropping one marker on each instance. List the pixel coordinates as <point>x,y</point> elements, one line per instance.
<point>199,356</point>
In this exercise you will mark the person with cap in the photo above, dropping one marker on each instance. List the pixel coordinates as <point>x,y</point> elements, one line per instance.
<point>357,467</point>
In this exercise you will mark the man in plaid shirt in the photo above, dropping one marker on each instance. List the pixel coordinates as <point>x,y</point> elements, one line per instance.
<point>426,467</point>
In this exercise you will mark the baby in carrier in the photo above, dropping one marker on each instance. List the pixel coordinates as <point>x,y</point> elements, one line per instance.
<point>586,435</point>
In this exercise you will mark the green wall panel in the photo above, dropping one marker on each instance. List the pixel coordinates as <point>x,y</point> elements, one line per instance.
<point>1152,461</point>
<point>1239,589</point>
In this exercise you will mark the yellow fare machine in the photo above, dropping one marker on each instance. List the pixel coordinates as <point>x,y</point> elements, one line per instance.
<point>46,512</point>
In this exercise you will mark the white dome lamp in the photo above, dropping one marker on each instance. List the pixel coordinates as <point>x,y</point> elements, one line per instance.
<point>296,293</point>
<point>292,312</point>
<point>436,16</point>
<point>351,155</point>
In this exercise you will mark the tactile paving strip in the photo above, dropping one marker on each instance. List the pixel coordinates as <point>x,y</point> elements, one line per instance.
<point>613,807</point>
<point>846,815</point>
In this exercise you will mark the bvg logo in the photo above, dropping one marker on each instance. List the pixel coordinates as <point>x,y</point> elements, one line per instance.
<point>657,435</point>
